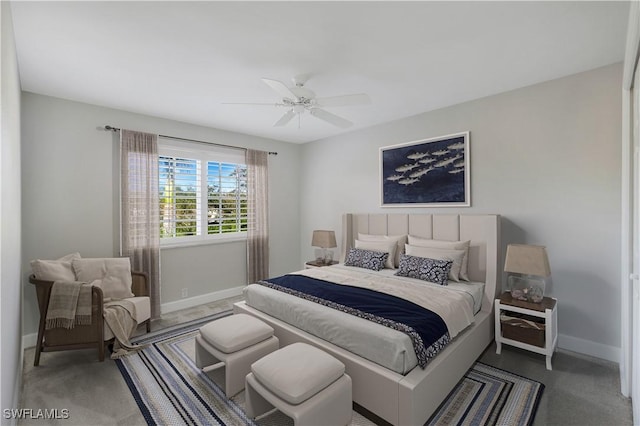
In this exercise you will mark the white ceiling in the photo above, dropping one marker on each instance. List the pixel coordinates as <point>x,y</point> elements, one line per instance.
<point>183,60</point>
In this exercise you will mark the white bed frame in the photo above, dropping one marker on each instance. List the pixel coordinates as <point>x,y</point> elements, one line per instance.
<point>411,399</point>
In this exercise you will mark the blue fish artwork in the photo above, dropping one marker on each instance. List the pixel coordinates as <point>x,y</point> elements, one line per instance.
<point>426,172</point>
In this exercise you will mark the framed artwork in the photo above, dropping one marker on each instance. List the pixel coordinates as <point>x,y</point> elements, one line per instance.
<point>426,173</point>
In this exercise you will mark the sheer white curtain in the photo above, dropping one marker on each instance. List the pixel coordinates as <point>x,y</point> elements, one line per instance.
<point>258,215</point>
<point>139,210</point>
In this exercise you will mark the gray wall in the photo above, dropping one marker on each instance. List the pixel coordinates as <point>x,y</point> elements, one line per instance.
<point>546,157</point>
<point>10,244</point>
<point>70,200</point>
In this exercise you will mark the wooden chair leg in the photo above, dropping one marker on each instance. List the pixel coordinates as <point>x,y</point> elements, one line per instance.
<point>36,359</point>
<point>148,325</point>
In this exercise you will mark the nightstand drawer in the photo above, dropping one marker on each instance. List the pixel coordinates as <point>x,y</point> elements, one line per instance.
<point>523,328</point>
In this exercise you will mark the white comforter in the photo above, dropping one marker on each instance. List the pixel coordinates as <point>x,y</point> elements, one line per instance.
<point>392,349</point>
<point>455,309</point>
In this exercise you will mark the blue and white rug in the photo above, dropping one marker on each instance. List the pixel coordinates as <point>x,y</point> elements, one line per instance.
<point>171,390</point>
<point>490,396</point>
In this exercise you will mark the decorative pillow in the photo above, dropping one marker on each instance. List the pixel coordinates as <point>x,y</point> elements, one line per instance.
<point>383,246</point>
<point>447,245</point>
<point>112,275</point>
<point>55,270</point>
<point>432,270</point>
<point>400,239</point>
<point>369,259</point>
<point>440,254</point>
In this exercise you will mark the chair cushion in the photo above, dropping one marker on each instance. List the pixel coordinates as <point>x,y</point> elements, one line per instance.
<point>233,333</point>
<point>112,275</point>
<point>143,308</point>
<point>55,270</point>
<point>297,372</point>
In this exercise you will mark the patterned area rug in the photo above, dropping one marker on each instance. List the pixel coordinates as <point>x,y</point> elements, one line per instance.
<point>170,389</point>
<point>490,396</point>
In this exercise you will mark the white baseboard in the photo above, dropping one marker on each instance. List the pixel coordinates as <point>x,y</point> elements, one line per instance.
<point>202,299</point>
<point>29,340</point>
<point>587,347</point>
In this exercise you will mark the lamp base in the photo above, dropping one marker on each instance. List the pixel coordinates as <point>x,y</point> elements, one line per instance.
<point>328,257</point>
<point>527,288</point>
<point>324,256</point>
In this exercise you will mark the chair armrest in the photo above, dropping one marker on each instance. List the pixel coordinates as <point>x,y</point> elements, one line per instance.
<point>139,283</point>
<point>43,291</point>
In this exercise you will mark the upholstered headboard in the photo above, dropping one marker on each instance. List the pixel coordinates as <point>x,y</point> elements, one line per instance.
<point>482,230</point>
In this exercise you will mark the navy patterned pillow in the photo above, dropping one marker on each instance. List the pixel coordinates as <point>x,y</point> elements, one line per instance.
<point>368,259</point>
<point>423,268</point>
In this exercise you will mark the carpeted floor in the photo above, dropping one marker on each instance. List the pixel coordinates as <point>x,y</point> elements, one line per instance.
<point>170,389</point>
<point>580,390</point>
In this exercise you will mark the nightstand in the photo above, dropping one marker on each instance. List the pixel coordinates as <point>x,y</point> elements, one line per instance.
<point>527,325</point>
<point>315,264</point>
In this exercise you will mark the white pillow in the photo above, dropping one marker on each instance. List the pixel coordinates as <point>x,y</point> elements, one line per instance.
<point>440,254</point>
<point>55,270</point>
<point>112,275</point>
<point>448,245</point>
<point>387,246</point>
<point>400,239</point>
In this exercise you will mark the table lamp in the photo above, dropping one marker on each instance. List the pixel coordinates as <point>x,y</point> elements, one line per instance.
<point>529,270</point>
<point>325,240</point>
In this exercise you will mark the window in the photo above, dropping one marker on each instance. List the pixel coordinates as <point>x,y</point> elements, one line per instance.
<point>203,192</point>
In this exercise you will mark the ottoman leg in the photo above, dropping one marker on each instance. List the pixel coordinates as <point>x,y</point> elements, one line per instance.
<point>239,364</point>
<point>229,370</point>
<point>204,358</point>
<point>212,365</point>
<point>255,404</point>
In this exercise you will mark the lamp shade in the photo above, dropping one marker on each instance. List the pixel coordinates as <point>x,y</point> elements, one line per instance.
<point>527,259</point>
<point>324,239</point>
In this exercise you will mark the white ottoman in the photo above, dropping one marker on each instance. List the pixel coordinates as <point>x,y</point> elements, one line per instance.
<point>226,348</point>
<point>303,382</point>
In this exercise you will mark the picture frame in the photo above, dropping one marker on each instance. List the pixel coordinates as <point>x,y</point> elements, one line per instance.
<point>432,172</point>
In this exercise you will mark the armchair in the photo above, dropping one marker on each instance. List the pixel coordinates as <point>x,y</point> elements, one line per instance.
<point>94,334</point>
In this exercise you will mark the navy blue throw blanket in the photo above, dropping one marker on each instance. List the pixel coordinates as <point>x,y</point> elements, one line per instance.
<point>427,330</point>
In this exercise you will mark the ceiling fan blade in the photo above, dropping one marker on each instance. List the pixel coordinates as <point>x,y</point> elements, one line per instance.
<point>285,118</point>
<point>281,88</point>
<point>357,99</point>
<point>253,103</point>
<point>330,118</point>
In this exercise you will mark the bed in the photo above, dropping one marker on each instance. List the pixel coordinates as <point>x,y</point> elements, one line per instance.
<point>398,390</point>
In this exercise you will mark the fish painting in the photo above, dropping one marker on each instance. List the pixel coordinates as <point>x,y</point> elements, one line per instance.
<point>431,172</point>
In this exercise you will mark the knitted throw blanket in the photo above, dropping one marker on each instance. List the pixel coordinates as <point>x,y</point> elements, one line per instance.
<point>119,315</point>
<point>69,305</point>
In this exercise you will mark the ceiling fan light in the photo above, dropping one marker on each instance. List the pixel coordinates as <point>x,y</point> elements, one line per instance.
<point>298,109</point>
<point>302,92</point>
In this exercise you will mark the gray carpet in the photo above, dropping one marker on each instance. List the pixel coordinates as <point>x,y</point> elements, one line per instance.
<point>579,391</point>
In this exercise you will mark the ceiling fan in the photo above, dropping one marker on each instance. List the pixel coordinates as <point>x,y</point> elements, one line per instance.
<point>299,99</point>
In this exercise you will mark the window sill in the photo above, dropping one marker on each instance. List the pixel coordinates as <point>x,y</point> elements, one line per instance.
<point>204,242</point>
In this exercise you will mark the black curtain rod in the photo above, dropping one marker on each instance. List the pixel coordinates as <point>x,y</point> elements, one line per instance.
<point>115,129</point>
